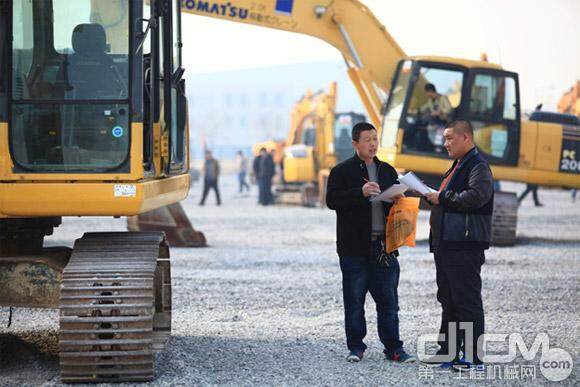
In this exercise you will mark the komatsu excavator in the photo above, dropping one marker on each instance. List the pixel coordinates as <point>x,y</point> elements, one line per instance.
<point>397,92</point>
<point>93,122</point>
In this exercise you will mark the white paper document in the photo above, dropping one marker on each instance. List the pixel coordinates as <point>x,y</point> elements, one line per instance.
<point>413,182</point>
<point>388,194</point>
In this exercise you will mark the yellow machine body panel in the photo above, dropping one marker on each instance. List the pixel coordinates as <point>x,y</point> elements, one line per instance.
<point>22,199</point>
<point>300,169</point>
<point>548,146</point>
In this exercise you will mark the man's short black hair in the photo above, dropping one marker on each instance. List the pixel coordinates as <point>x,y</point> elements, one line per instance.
<point>430,87</point>
<point>361,127</point>
<point>461,127</point>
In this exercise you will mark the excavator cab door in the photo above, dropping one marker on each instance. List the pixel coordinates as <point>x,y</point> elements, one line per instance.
<point>175,102</point>
<point>164,88</point>
<point>493,108</point>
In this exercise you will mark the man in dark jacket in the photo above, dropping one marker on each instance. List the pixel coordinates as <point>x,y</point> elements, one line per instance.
<point>460,232</point>
<point>360,236</point>
<point>211,173</point>
<point>264,170</point>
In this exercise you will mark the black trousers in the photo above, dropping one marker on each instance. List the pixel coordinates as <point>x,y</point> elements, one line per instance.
<point>265,191</point>
<point>533,188</point>
<point>207,185</point>
<point>459,292</point>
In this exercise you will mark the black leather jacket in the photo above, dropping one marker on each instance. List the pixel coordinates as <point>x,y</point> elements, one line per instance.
<point>353,210</point>
<point>462,220</point>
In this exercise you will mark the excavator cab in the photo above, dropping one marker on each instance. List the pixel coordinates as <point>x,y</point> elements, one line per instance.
<point>486,96</point>
<point>92,91</point>
<point>343,123</point>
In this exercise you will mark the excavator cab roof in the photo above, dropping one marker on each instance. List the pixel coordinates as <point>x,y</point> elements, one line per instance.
<point>458,61</point>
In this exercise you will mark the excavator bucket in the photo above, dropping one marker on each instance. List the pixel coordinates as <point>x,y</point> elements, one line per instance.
<point>173,221</point>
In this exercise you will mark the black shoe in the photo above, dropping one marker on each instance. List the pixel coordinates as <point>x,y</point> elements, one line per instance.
<point>435,362</point>
<point>465,366</point>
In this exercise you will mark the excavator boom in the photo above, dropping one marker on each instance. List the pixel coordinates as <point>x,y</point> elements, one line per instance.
<point>344,24</point>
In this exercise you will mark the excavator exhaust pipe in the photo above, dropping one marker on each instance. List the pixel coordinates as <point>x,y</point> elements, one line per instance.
<point>173,221</point>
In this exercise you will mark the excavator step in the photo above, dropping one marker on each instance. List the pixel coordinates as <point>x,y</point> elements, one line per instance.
<point>115,307</point>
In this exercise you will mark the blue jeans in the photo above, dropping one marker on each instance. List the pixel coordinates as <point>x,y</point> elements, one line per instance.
<point>242,182</point>
<point>359,276</point>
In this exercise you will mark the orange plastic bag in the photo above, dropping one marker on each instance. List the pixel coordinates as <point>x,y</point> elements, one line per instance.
<point>402,224</point>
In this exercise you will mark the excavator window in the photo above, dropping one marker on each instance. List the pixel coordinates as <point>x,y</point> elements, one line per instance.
<point>69,105</point>
<point>435,96</point>
<point>492,108</point>
<point>426,96</point>
<point>342,134</point>
<point>395,103</point>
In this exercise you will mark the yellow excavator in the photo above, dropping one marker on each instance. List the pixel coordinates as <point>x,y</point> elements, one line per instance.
<point>318,138</point>
<point>396,88</point>
<point>93,122</point>
<point>315,141</point>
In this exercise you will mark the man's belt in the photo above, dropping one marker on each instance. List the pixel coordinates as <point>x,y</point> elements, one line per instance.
<point>377,237</point>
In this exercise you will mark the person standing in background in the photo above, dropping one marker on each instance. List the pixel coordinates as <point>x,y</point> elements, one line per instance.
<point>242,170</point>
<point>264,170</point>
<point>533,188</point>
<point>211,172</point>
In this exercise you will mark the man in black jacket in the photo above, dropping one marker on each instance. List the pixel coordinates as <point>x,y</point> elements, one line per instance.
<point>460,232</point>
<point>264,170</point>
<point>360,234</point>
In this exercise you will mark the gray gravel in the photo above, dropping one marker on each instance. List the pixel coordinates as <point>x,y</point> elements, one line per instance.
<point>263,304</point>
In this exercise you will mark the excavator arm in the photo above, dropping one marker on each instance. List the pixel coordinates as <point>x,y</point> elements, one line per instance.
<point>369,51</point>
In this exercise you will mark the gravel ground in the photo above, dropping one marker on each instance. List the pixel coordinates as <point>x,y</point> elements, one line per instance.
<point>263,304</point>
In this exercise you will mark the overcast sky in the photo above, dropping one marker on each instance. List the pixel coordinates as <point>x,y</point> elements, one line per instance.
<point>539,39</point>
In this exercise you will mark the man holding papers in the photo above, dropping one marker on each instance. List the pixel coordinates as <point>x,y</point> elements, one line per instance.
<point>460,232</point>
<point>360,231</point>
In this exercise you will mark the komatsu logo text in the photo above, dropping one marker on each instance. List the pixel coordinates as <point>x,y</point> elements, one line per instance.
<point>226,9</point>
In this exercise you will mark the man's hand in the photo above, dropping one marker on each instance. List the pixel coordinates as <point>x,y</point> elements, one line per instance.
<point>433,197</point>
<point>370,189</point>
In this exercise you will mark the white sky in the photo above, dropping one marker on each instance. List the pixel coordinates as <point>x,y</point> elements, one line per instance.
<point>539,39</point>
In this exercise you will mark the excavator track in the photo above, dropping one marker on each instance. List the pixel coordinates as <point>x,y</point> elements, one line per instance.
<point>505,219</point>
<point>115,307</point>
